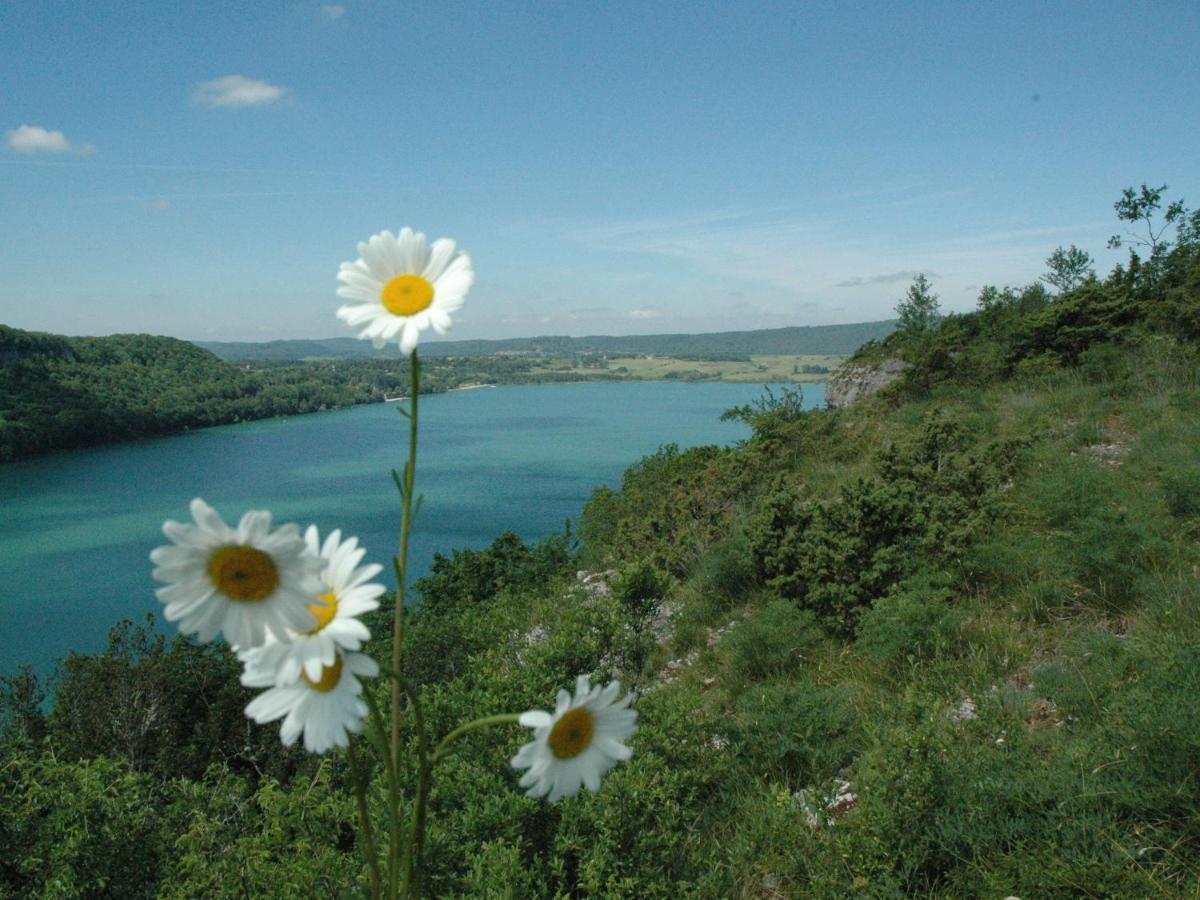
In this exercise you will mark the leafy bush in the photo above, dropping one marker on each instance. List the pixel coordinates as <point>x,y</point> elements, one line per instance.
<point>770,644</point>
<point>928,502</point>
<point>794,732</point>
<point>1182,491</point>
<point>172,709</point>
<point>1089,315</point>
<point>672,505</point>
<point>726,569</point>
<point>640,590</point>
<point>69,829</point>
<point>916,622</point>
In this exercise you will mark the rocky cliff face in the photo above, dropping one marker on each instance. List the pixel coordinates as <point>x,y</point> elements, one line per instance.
<point>850,383</point>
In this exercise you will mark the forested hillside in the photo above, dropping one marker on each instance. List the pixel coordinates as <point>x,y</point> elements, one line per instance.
<point>61,392</point>
<point>58,392</point>
<point>943,642</point>
<point>831,340</point>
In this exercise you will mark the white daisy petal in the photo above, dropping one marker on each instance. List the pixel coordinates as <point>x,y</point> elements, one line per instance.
<point>324,709</point>
<point>439,257</point>
<point>237,582</point>
<point>386,308</point>
<point>376,252</point>
<point>364,294</point>
<point>327,624</point>
<point>408,339</point>
<point>413,252</point>
<point>577,744</point>
<point>535,718</point>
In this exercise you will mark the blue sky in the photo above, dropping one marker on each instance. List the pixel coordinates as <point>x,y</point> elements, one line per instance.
<point>200,170</point>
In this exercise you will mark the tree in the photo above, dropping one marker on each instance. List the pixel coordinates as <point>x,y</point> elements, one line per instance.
<point>919,310</point>
<point>1068,269</point>
<point>1143,206</point>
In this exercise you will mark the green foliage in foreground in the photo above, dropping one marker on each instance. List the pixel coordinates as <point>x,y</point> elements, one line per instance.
<point>944,643</point>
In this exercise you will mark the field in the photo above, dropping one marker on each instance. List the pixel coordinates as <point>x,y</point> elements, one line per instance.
<point>773,368</point>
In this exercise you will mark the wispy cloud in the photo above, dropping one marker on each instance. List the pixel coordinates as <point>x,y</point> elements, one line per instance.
<point>330,12</point>
<point>754,245</point>
<point>889,278</point>
<point>237,91</point>
<point>1020,234</point>
<point>36,139</point>
<point>166,201</point>
<point>646,313</point>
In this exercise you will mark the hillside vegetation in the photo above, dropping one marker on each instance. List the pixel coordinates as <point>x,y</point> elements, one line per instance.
<point>58,393</point>
<point>944,643</point>
<point>835,340</point>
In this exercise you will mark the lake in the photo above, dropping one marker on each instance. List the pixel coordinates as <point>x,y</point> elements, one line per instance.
<point>76,528</point>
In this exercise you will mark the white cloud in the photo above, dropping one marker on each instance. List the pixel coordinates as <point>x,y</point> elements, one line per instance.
<point>331,12</point>
<point>34,138</point>
<point>235,91</point>
<point>643,313</point>
<point>890,278</point>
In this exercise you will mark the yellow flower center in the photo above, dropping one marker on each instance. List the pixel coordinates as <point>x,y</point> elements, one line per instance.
<point>572,734</point>
<point>323,611</point>
<point>407,295</point>
<point>242,573</point>
<point>330,676</point>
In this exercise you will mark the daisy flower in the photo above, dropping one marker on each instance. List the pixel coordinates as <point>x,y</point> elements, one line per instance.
<point>579,743</point>
<point>401,286</point>
<point>327,710</point>
<point>346,595</point>
<point>241,582</point>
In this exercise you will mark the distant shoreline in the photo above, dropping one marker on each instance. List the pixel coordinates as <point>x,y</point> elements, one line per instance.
<point>468,387</point>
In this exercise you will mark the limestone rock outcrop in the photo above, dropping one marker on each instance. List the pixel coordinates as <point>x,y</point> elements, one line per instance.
<point>853,382</point>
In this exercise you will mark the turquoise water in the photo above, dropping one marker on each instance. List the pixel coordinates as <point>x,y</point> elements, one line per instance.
<point>76,528</point>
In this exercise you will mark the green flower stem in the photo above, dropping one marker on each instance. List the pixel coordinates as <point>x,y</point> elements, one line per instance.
<point>376,733</point>
<point>364,819</point>
<point>401,560</point>
<point>502,719</point>
<point>415,846</point>
<point>376,730</point>
<point>400,564</point>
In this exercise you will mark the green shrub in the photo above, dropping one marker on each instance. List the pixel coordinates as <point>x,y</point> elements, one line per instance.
<point>69,829</point>
<point>727,570</point>
<point>276,841</point>
<point>672,505</point>
<point>771,644</point>
<point>927,504</point>
<point>793,732</point>
<point>1105,364</point>
<point>1089,315</point>
<point>170,708</point>
<point>918,621</point>
<point>640,590</point>
<point>1181,489</point>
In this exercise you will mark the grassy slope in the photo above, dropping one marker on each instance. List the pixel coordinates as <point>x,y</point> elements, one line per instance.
<point>757,370</point>
<point>1018,713</point>
<point>1072,629</point>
